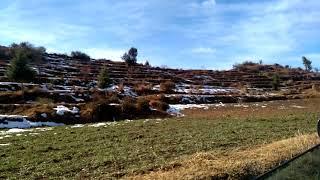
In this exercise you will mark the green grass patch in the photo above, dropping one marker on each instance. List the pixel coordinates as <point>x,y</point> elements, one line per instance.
<point>138,146</point>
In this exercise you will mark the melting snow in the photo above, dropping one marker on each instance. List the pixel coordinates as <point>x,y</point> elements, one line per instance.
<point>44,115</point>
<point>18,130</point>
<point>77,126</point>
<point>176,108</point>
<point>299,107</point>
<point>62,109</point>
<point>16,121</point>
<point>98,125</point>
<point>186,88</point>
<point>8,144</point>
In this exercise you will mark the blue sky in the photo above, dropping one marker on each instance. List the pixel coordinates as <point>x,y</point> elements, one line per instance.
<point>210,34</point>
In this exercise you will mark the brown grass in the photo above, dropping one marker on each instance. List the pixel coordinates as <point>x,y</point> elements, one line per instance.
<point>271,109</point>
<point>235,164</point>
<point>311,93</point>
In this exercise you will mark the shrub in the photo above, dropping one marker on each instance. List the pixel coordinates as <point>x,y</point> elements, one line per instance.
<point>131,57</point>
<point>167,86</point>
<point>114,99</point>
<point>143,89</point>
<point>99,111</point>
<point>33,54</point>
<point>159,105</point>
<point>275,82</point>
<point>19,70</point>
<point>80,55</point>
<point>128,106</point>
<point>143,105</point>
<point>104,80</point>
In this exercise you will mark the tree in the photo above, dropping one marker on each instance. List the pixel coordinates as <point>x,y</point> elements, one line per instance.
<point>307,63</point>
<point>34,54</point>
<point>147,63</point>
<point>275,82</point>
<point>19,69</point>
<point>4,52</point>
<point>131,57</point>
<point>104,80</point>
<point>80,55</point>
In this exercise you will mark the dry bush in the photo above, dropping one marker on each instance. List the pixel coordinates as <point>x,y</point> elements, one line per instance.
<point>158,97</point>
<point>143,105</point>
<point>316,87</point>
<point>98,95</point>
<point>114,99</point>
<point>121,87</point>
<point>128,106</point>
<point>167,86</point>
<point>311,93</point>
<point>143,89</point>
<point>99,111</point>
<point>159,105</point>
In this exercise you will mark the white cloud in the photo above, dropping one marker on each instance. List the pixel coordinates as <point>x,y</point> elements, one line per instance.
<point>228,30</point>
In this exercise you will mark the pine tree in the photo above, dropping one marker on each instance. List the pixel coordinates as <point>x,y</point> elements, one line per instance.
<point>147,64</point>
<point>19,70</point>
<point>104,80</point>
<point>275,82</point>
<point>307,63</point>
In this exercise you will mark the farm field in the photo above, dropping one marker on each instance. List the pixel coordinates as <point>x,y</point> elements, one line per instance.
<point>235,141</point>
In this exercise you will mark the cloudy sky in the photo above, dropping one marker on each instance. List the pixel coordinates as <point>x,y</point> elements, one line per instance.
<point>210,34</point>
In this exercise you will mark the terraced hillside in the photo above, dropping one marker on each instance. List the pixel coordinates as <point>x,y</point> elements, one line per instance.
<point>65,83</point>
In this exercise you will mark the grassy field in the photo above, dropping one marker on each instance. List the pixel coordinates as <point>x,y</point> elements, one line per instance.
<point>137,148</point>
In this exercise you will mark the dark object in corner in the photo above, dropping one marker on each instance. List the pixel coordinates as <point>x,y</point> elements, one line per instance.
<point>318,128</point>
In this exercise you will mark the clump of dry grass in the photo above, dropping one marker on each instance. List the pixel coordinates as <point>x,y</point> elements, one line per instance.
<point>311,93</point>
<point>235,164</point>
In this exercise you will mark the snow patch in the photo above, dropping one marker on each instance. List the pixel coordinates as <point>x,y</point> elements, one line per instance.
<point>77,126</point>
<point>176,108</point>
<point>15,130</point>
<point>44,115</point>
<point>62,109</point>
<point>20,122</point>
<point>98,125</point>
<point>8,144</point>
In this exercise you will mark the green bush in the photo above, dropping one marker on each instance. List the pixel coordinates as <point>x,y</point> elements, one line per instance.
<point>275,82</point>
<point>104,80</point>
<point>131,57</point>
<point>80,55</point>
<point>19,69</point>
